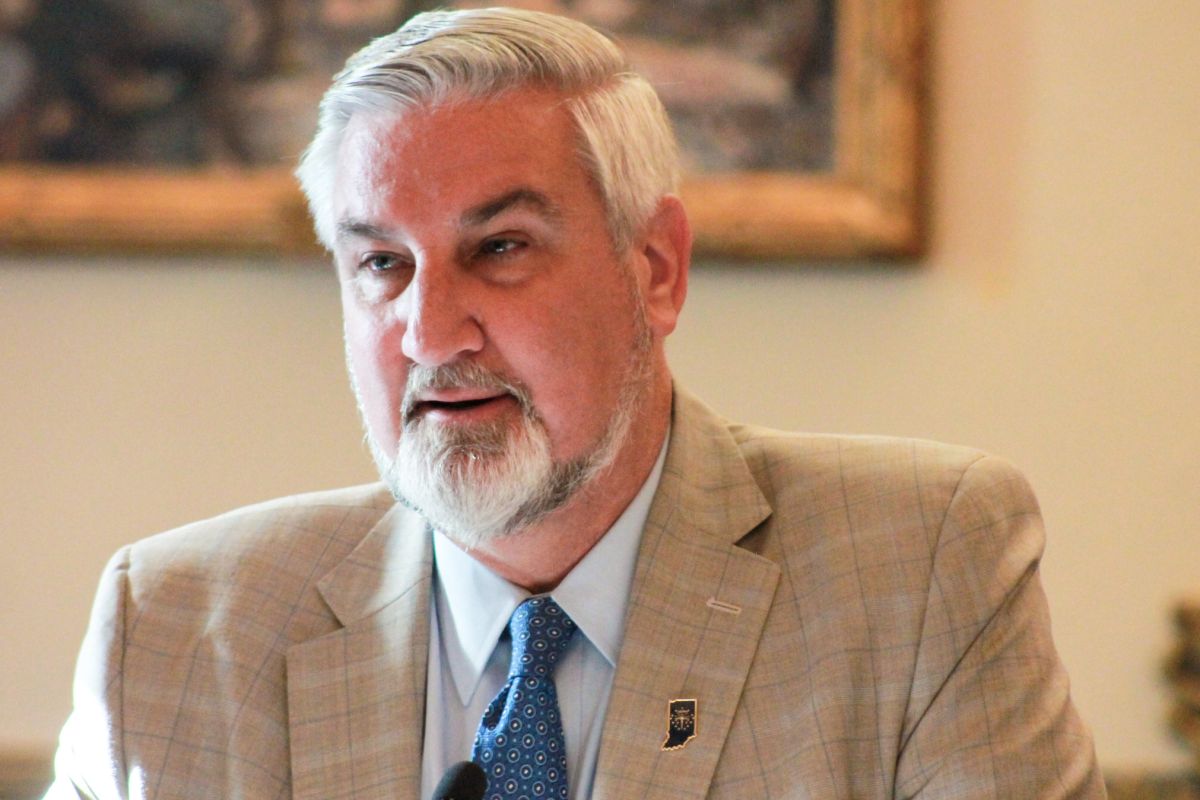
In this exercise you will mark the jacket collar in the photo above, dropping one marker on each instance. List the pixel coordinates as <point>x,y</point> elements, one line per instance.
<point>697,611</point>
<point>371,737</point>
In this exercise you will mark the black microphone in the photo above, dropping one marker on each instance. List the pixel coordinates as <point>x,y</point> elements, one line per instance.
<point>463,781</point>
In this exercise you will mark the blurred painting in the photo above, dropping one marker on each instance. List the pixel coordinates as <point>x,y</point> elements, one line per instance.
<point>209,83</point>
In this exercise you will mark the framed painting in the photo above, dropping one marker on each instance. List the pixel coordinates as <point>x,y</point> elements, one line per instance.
<point>173,125</point>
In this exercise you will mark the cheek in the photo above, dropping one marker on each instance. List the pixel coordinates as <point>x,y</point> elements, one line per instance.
<point>577,372</point>
<point>379,375</point>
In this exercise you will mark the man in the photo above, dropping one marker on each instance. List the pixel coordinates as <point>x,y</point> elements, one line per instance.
<point>732,612</point>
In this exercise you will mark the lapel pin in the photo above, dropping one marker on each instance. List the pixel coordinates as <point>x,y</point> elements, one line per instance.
<point>682,723</point>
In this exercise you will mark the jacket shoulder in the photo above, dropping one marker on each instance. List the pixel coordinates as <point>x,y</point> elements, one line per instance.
<point>881,493</point>
<point>263,525</point>
<point>289,541</point>
<point>855,463</point>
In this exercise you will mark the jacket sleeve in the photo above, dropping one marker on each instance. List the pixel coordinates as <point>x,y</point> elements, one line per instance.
<point>89,762</point>
<point>990,713</point>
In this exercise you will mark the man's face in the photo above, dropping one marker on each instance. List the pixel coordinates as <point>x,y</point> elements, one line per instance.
<point>492,333</point>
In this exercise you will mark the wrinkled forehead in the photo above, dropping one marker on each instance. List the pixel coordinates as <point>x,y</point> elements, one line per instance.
<point>521,136</point>
<point>417,131</point>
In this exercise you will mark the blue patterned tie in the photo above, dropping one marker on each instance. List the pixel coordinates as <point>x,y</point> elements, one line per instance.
<point>520,739</point>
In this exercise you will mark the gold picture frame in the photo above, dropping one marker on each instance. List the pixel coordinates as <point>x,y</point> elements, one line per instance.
<point>867,206</point>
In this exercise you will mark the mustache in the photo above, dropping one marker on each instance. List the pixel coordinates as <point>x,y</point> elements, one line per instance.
<point>463,375</point>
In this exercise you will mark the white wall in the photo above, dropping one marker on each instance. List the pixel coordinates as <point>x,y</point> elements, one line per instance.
<point>1054,322</point>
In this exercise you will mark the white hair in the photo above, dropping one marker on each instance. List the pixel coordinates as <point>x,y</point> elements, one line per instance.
<point>626,142</point>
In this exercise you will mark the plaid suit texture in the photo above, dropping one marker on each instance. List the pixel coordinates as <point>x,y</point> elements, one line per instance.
<point>857,617</point>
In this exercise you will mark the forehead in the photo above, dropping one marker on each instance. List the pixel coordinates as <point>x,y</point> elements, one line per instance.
<point>441,160</point>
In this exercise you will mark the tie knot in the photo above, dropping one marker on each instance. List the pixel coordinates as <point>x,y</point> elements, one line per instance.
<point>540,631</point>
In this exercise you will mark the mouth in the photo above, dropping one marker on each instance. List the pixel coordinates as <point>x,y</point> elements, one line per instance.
<point>460,406</point>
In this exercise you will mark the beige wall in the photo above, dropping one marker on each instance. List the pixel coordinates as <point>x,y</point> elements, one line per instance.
<point>1054,322</point>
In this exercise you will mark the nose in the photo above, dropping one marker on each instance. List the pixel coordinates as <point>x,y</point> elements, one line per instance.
<point>439,322</point>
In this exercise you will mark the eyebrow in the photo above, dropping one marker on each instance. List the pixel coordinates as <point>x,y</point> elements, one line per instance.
<point>521,197</point>
<point>349,228</point>
<point>517,198</point>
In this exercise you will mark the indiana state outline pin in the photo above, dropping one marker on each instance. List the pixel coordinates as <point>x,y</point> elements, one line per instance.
<point>682,723</point>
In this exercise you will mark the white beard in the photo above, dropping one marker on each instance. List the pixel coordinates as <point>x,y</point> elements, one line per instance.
<point>486,482</point>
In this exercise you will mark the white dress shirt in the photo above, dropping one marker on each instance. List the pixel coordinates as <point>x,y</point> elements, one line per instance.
<point>468,662</point>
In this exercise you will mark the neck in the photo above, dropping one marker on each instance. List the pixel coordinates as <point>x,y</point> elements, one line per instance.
<point>539,556</point>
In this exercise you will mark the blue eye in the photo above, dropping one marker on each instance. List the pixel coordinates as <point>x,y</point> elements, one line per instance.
<point>380,262</point>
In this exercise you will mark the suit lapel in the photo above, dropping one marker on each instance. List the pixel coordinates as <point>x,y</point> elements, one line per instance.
<point>697,610</point>
<point>356,697</point>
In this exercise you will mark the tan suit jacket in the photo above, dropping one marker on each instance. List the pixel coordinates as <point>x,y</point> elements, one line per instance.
<point>857,618</point>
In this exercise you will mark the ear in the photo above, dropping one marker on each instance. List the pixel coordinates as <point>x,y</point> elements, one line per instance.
<point>666,249</point>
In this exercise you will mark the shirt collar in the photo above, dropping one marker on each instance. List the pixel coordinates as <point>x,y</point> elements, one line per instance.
<point>474,604</point>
